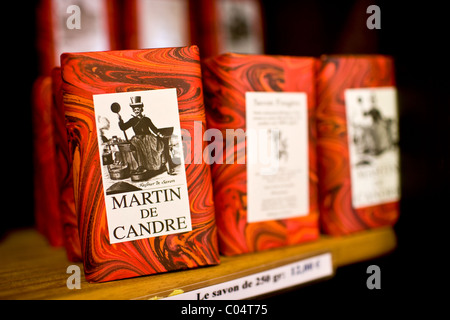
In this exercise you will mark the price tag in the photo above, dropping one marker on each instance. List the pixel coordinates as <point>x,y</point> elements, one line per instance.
<point>260,283</point>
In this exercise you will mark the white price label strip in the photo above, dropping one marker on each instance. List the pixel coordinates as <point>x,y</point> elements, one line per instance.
<point>260,283</point>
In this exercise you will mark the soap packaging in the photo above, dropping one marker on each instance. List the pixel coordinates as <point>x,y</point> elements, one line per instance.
<point>357,143</point>
<point>64,169</point>
<point>47,211</point>
<point>260,115</point>
<point>142,208</point>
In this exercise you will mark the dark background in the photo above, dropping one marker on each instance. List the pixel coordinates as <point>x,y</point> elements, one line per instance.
<point>415,34</point>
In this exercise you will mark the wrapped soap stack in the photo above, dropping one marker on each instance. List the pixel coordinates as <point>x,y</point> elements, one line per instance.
<point>155,160</point>
<point>60,30</point>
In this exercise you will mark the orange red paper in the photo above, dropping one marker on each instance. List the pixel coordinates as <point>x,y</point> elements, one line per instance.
<point>227,78</point>
<point>335,75</point>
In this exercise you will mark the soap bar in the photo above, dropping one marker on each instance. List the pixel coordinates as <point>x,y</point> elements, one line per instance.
<point>358,153</point>
<point>272,99</point>
<point>115,172</point>
<point>64,171</point>
<point>47,211</point>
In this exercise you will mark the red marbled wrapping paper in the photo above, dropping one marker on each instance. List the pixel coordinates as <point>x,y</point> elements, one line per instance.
<point>335,75</point>
<point>226,80</point>
<point>64,172</point>
<point>86,74</point>
<point>46,205</point>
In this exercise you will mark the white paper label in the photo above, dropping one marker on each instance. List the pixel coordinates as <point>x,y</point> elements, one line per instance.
<point>277,154</point>
<point>90,33</point>
<point>163,23</point>
<point>372,122</point>
<point>264,282</point>
<point>145,186</point>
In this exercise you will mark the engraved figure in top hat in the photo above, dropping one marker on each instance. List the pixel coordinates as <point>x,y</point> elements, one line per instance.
<point>151,143</point>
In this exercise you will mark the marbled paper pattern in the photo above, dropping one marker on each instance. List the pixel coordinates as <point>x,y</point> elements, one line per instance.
<point>227,78</point>
<point>86,74</point>
<point>335,75</point>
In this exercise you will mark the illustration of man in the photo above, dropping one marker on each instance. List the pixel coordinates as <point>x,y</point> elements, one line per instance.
<point>376,136</point>
<point>151,143</point>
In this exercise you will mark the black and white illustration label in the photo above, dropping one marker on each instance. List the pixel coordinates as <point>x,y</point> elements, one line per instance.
<point>241,26</point>
<point>372,122</point>
<point>277,154</point>
<point>143,171</point>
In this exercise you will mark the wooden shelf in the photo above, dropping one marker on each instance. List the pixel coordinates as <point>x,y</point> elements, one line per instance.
<point>31,269</point>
